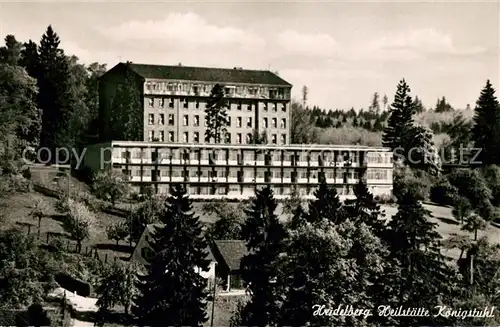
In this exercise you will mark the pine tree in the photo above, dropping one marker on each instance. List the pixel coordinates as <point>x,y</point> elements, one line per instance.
<point>327,205</point>
<point>264,235</point>
<point>415,244</point>
<point>384,101</point>
<point>364,208</point>
<point>216,115</point>
<point>173,293</point>
<point>375,106</point>
<point>126,113</point>
<point>30,59</point>
<point>398,131</point>
<point>486,129</point>
<point>10,54</point>
<point>298,217</point>
<point>419,107</point>
<point>56,97</point>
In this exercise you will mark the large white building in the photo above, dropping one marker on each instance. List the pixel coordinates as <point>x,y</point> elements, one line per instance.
<point>216,171</point>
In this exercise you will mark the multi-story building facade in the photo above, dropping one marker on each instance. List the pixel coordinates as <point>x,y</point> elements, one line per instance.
<point>236,171</point>
<point>173,101</point>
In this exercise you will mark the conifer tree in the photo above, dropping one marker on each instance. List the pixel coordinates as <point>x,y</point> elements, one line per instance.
<point>173,293</point>
<point>364,208</point>
<point>399,126</point>
<point>486,129</point>
<point>126,113</point>
<point>264,235</point>
<point>415,244</point>
<point>216,115</point>
<point>327,205</point>
<point>298,217</point>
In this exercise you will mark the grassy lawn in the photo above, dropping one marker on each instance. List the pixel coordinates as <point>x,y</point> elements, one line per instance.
<point>16,211</point>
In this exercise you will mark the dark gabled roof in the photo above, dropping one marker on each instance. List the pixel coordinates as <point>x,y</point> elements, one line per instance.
<point>151,228</point>
<point>206,74</point>
<point>231,251</point>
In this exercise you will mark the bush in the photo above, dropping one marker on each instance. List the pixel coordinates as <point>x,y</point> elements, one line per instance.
<point>442,192</point>
<point>472,185</point>
<point>110,186</point>
<point>408,180</point>
<point>491,175</point>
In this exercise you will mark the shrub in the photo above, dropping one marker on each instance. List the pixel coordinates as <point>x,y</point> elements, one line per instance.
<point>442,192</point>
<point>414,181</point>
<point>110,186</point>
<point>472,185</point>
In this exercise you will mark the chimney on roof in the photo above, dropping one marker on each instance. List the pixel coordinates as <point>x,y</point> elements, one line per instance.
<point>180,64</point>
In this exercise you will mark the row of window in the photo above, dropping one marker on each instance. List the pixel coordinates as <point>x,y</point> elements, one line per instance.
<point>160,103</point>
<point>196,121</point>
<point>325,158</point>
<point>196,89</point>
<point>159,136</point>
<point>261,173</point>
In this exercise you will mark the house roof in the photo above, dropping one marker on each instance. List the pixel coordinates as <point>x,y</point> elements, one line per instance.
<point>231,251</point>
<point>207,74</point>
<point>150,228</point>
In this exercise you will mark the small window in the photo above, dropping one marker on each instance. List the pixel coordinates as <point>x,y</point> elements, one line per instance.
<point>171,137</point>
<point>151,136</point>
<point>162,102</point>
<point>249,107</point>
<point>161,137</point>
<point>283,138</point>
<point>171,103</point>
<point>196,121</point>
<point>239,106</point>
<point>275,122</point>
<point>283,123</point>
<point>229,121</point>
<point>197,104</point>
<point>146,253</point>
<point>150,102</point>
<point>238,122</point>
<point>185,120</point>
<point>186,103</point>
<point>151,119</point>
<point>265,106</point>
<point>264,122</point>
<point>283,107</point>
<point>249,122</point>
<point>228,138</point>
<point>238,138</point>
<point>171,119</point>
<point>196,137</point>
<point>275,107</point>
<point>161,121</point>
<point>185,137</point>
<point>249,138</point>
<point>274,139</point>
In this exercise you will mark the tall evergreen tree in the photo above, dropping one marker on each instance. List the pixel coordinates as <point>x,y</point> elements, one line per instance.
<point>216,115</point>
<point>375,105</point>
<point>384,101</point>
<point>173,293</point>
<point>443,106</point>
<point>326,205</point>
<point>56,98</point>
<point>11,53</point>
<point>364,208</point>
<point>486,129</point>
<point>126,110</point>
<point>398,131</point>
<point>30,59</point>
<point>419,107</point>
<point>264,235</point>
<point>415,244</point>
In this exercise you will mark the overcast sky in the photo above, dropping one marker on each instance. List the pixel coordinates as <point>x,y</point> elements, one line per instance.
<point>344,52</point>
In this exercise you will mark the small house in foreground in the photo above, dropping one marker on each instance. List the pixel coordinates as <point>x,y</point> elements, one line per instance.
<point>228,254</point>
<point>142,252</point>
